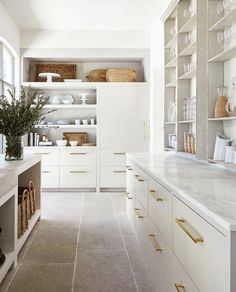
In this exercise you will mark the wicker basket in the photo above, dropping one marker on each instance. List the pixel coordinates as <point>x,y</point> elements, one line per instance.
<point>31,200</point>
<point>22,212</point>
<point>67,71</point>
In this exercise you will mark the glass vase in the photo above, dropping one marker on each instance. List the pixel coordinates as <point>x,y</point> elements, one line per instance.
<point>14,148</point>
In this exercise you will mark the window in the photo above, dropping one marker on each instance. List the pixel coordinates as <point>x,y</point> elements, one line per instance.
<point>7,76</point>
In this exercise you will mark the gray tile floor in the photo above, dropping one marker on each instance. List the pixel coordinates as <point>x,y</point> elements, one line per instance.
<point>83,242</point>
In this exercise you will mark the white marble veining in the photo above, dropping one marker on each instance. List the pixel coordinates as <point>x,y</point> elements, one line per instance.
<point>207,189</point>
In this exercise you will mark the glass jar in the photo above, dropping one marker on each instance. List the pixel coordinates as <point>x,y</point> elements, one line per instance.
<point>172,112</point>
<point>14,148</point>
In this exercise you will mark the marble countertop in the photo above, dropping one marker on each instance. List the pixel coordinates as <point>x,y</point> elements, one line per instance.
<point>9,171</point>
<point>207,189</point>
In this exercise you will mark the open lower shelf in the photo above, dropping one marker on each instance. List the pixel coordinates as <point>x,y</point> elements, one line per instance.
<point>31,224</point>
<point>188,75</point>
<point>224,56</point>
<point>172,63</point>
<point>186,122</point>
<point>171,84</point>
<point>7,264</point>
<point>190,50</point>
<point>67,126</point>
<point>226,20</point>
<point>170,123</point>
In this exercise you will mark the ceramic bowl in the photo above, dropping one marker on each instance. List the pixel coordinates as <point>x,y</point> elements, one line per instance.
<point>73,143</point>
<point>61,143</point>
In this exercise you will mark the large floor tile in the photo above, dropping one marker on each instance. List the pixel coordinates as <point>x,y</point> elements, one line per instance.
<point>97,269</point>
<point>43,278</point>
<point>119,203</point>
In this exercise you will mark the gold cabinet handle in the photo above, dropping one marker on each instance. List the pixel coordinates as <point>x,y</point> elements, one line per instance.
<point>179,287</point>
<point>46,171</point>
<point>137,211</point>
<point>119,153</point>
<point>45,153</point>
<point>154,194</point>
<point>154,243</point>
<point>128,196</point>
<point>187,229</point>
<point>78,171</point>
<point>139,178</point>
<point>129,168</point>
<point>119,171</point>
<point>78,153</point>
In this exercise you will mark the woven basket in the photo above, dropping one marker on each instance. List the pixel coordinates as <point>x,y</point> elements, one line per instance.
<point>31,199</point>
<point>67,71</point>
<point>22,212</point>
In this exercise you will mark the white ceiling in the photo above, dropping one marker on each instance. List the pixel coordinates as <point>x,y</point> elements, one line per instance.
<point>85,14</point>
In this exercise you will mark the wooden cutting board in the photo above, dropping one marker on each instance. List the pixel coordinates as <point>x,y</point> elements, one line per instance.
<point>98,75</point>
<point>121,75</point>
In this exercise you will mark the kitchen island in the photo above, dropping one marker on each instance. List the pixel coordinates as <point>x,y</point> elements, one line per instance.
<point>15,174</point>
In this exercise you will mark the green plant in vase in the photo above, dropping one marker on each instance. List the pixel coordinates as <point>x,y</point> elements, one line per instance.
<point>17,117</point>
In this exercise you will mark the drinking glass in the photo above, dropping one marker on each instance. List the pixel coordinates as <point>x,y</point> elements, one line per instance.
<point>220,8</point>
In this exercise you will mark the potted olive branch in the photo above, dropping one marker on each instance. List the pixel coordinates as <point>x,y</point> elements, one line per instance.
<point>18,117</point>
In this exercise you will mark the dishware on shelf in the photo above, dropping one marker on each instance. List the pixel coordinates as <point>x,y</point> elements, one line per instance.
<point>85,122</point>
<point>220,106</point>
<point>84,98</point>
<point>193,8</point>
<point>172,75</point>
<point>63,122</point>
<point>81,137</point>
<point>173,51</point>
<point>50,123</point>
<point>220,8</point>
<point>220,147</point>
<point>171,112</point>
<point>229,154</point>
<point>49,76</point>
<point>171,140</point>
<point>77,122</point>
<point>73,143</point>
<point>61,143</point>
<point>173,30</point>
<point>61,98</point>
<point>92,121</point>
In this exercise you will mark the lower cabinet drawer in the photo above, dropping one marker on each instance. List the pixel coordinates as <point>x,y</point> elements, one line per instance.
<point>164,269</point>
<point>141,187</point>
<point>201,249</point>
<point>112,177</point>
<point>110,157</point>
<point>78,177</point>
<point>78,157</point>
<point>130,205</point>
<point>50,177</point>
<point>160,208</point>
<point>50,157</point>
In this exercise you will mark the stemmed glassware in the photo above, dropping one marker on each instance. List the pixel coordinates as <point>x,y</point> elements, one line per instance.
<point>226,38</point>
<point>225,7</point>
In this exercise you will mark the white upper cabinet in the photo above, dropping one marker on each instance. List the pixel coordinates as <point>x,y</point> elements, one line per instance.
<point>123,116</point>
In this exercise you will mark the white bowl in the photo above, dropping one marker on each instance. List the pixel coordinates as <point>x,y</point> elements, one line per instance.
<point>61,143</point>
<point>66,101</point>
<point>73,143</point>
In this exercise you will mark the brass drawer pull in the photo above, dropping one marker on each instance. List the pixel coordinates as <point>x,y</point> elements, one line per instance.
<point>78,153</point>
<point>45,153</point>
<point>187,229</point>
<point>137,211</point>
<point>119,153</point>
<point>179,287</point>
<point>154,243</point>
<point>78,171</point>
<point>119,171</point>
<point>139,178</point>
<point>129,168</point>
<point>46,171</point>
<point>154,194</point>
<point>128,196</point>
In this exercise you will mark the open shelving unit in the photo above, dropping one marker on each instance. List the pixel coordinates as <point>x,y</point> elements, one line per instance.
<point>221,69</point>
<point>188,84</point>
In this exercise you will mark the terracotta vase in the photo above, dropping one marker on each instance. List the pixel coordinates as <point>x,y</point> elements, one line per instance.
<point>220,107</point>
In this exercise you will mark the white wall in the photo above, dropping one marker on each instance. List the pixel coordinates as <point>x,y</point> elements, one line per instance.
<point>9,30</point>
<point>157,89</point>
<point>84,39</point>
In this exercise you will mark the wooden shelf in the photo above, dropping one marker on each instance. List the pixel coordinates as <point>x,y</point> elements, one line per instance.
<point>186,122</point>
<point>170,123</point>
<point>188,51</point>
<point>224,56</point>
<point>224,21</point>
<point>222,119</point>
<point>189,25</point>
<point>171,84</point>
<point>9,260</point>
<point>172,63</point>
<point>67,126</point>
<point>71,106</point>
<point>188,75</point>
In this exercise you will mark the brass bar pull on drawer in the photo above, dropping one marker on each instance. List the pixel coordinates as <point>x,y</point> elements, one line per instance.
<point>119,153</point>
<point>154,242</point>
<point>46,171</point>
<point>119,171</point>
<point>137,211</point>
<point>129,168</point>
<point>78,171</point>
<point>187,229</point>
<point>179,287</point>
<point>78,153</point>
<point>139,178</point>
<point>154,194</point>
<point>128,196</point>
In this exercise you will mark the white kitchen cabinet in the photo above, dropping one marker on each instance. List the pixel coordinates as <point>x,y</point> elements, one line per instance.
<point>78,157</point>
<point>50,177</point>
<point>130,194</point>
<point>112,177</point>
<point>50,156</point>
<point>123,116</point>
